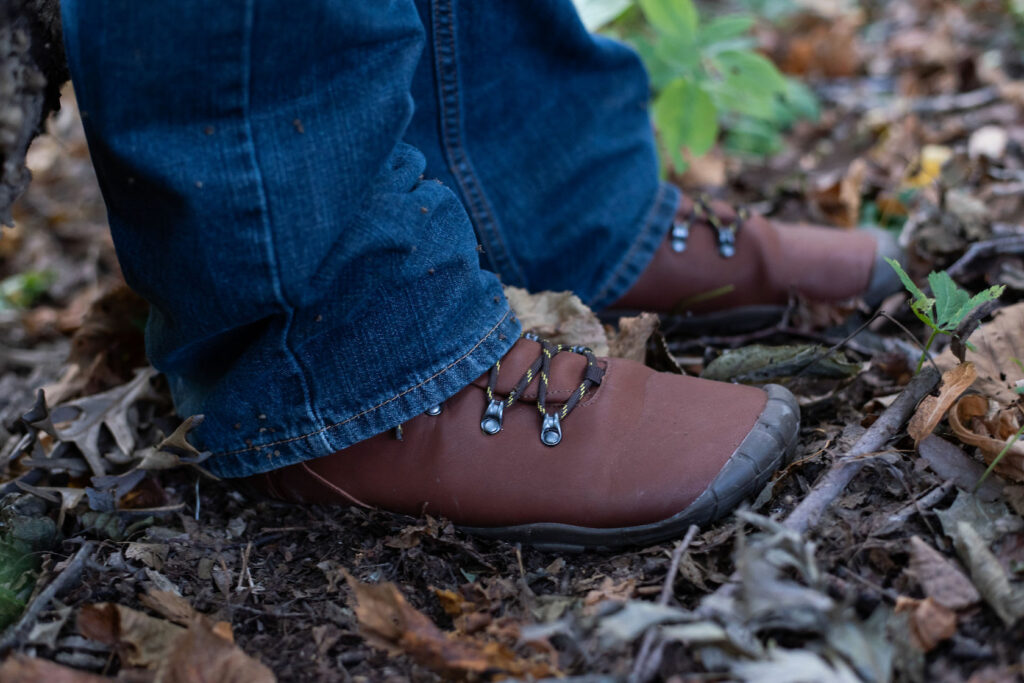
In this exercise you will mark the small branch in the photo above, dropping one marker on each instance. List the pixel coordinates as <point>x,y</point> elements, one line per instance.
<point>69,574</point>
<point>812,508</point>
<point>644,668</point>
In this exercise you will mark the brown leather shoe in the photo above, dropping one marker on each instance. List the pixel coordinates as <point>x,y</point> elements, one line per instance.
<point>716,259</point>
<point>621,455</point>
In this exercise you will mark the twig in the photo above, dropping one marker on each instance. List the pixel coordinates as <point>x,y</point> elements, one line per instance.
<point>827,489</point>
<point>918,506</point>
<point>69,574</point>
<point>643,669</point>
<point>1011,244</point>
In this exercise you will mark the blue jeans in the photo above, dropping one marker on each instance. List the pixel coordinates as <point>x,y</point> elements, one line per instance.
<point>299,188</point>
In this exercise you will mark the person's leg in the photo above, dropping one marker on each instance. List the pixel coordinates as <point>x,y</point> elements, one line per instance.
<point>308,288</point>
<point>543,128</point>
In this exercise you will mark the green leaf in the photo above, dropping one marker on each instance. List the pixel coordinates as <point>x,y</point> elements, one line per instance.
<point>676,18</point>
<point>949,300</point>
<point>914,290</point>
<point>728,27</point>
<point>685,117</point>
<point>750,72</point>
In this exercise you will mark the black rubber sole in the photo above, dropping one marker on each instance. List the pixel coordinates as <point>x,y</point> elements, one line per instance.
<point>767,447</point>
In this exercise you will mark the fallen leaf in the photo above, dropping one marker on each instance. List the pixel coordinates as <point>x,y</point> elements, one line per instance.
<point>928,167</point>
<point>391,624</point>
<point>610,590</point>
<point>930,622</point>
<point>988,575</point>
<point>149,554</point>
<point>932,409</point>
<point>940,577</point>
<point>630,341</point>
<point>976,421</point>
<point>838,199</point>
<point>997,343</point>
<point>559,317</point>
<point>951,463</point>
<point>989,142</point>
<point>19,668</point>
<point>109,410</point>
<point>763,363</point>
<point>169,605</point>
<point>176,654</point>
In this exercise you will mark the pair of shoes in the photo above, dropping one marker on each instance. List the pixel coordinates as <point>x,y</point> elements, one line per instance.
<point>564,451</point>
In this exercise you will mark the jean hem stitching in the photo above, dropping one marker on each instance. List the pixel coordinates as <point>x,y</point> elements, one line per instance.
<point>322,430</point>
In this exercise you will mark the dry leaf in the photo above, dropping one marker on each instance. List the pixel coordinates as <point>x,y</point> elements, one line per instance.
<point>169,605</point>
<point>631,339</point>
<point>977,421</point>
<point>940,577</point>
<point>559,317</point>
<point>930,622</point>
<point>951,464</point>
<point>177,654</point>
<point>141,640</point>
<point>997,343</point>
<point>988,575</point>
<point>838,198</point>
<point>390,623</point>
<point>609,591</point>
<point>932,409</point>
<point>21,669</point>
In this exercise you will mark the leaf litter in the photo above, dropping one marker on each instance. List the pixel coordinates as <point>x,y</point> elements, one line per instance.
<point>909,575</point>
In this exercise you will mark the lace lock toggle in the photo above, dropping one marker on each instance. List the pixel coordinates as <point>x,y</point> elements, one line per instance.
<point>680,233</point>
<point>551,430</point>
<point>493,416</point>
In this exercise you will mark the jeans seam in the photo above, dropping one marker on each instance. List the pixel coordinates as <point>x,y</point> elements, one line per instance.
<point>383,403</point>
<point>272,255</point>
<point>457,155</point>
<point>628,261</point>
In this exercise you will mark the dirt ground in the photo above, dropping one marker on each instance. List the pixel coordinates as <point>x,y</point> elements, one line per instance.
<point>911,572</point>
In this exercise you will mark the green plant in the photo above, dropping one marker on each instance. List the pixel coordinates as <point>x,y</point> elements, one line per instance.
<point>950,304</point>
<point>707,77</point>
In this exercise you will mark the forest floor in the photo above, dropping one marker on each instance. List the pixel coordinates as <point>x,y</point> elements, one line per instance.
<point>155,571</point>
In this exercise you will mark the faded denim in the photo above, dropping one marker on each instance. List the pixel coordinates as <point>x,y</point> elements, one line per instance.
<point>308,238</point>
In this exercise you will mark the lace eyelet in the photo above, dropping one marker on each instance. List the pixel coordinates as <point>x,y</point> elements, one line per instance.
<point>551,430</point>
<point>493,417</point>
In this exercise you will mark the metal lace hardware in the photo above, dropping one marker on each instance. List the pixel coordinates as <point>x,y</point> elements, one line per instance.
<point>434,411</point>
<point>680,233</point>
<point>493,416</point>
<point>551,430</point>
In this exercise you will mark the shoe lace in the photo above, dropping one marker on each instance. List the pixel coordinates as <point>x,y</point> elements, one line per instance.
<point>725,231</point>
<point>551,427</point>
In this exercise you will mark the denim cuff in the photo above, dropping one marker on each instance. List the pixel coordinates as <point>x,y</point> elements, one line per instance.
<point>449,378</point>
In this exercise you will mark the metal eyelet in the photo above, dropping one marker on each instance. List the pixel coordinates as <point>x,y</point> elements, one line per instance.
<point>680,233</point>
<point>398,433</point>
<point>531,336</point>
<point>493,416</point>
<point>551,430</point>
<point>434,411</point>
<point>727,240</point>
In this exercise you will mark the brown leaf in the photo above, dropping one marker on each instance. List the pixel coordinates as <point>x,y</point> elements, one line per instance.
<point>169,605</point>
<point>996,344</point>
<point>177,654</point>
<point>202,653</point>
<point>930,622</point>
<point>390,623</point>
<point>977,421</point>
<point>141,640</point>
<point>838,199</point>
<point>631,339</point>
<point>609,591</point>
<point>940,577</point>
<point>559,317</point>
<point>933,408</point>
<point>21,669</point>
<point>951,463</point>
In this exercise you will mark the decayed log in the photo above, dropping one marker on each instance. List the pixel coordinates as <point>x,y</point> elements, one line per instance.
<point>32,71</point>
